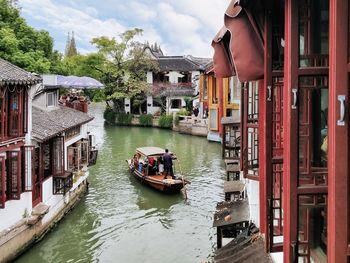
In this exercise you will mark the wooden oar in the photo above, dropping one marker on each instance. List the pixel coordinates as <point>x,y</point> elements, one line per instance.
<point>182,177</point>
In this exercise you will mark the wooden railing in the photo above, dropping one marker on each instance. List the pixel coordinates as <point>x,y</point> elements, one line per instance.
<point>77,105</point>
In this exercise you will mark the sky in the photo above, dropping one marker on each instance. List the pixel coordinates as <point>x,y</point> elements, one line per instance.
<point>181,27</point>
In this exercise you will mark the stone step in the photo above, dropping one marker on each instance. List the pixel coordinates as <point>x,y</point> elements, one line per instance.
<point>40,210</point>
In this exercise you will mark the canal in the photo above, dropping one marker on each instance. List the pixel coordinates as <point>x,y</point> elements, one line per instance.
<point>120,220</point>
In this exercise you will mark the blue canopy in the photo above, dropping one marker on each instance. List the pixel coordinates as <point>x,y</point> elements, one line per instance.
<point>74,82</point>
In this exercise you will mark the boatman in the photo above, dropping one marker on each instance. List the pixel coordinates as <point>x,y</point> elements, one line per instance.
<point>168,165</point>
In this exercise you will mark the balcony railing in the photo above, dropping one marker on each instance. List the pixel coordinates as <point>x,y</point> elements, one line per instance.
<point>62,183</point>
<point>77,105</point>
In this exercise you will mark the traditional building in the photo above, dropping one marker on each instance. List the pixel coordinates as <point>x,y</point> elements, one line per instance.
<point>44,153</point>
<point>219,98</point>
<point>176,78</point>
<point>293,59</point>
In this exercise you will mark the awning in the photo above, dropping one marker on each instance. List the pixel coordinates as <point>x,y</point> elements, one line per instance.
<point>238,46</point>
<point>74,82</point>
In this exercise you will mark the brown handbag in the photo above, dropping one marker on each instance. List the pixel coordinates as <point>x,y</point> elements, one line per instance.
<point>240,41</point>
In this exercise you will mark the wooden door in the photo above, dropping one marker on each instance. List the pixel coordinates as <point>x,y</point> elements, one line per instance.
<point>36,179</point>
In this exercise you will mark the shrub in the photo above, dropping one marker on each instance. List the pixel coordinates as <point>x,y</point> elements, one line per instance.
<point>99,96</point>
<point>109,115</point>
<point>146,120</point>
<point>166,121</point>
<point>182,112</point>
<point>124,118</point>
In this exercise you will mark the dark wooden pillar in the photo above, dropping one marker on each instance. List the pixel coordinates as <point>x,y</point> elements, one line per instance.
<point>290,121</point>
<point>338,144</point>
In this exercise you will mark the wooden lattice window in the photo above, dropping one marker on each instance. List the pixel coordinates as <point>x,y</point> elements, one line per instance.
<point>62,183</point>
<point>252,130</point>
<point>25,111</point>
<point>27,168</point>
<point>2,182</point>
<point>74,157</point>
<point>13,177</point>
<point>277,118</point>
<point>231,141</point>
<point>276,211</point>
<point>313,131</point>
<point>84,151</point>
<point>14,114</point>
<point>46,159</point>
<point>58,156</point>
<point>3,113</point>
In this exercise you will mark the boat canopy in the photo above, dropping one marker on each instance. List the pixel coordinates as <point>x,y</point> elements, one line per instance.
<point>150,151</point>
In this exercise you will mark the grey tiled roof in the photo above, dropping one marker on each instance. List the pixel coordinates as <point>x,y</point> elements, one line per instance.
<point>47,124</point>
<point>178,63</point>
<point>182,92</point>
<point>11,74</point>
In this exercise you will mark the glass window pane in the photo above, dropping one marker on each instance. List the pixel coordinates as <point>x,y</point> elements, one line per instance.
<point>312,228</point>
<point>313,33</point>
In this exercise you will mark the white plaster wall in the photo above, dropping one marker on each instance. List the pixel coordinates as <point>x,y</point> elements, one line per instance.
<point>151,109</point>
<point>253,199</point>
<point>57,202</point>
<point>173,76</point>
<point>149,77</point>
<point>127,105</point>
<point>40,100</point>
<point>54,201</point>
<point>195,79</point>
<point>14,210</point>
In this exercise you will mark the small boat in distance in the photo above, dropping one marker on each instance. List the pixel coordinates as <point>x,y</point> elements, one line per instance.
<point>146,165</point>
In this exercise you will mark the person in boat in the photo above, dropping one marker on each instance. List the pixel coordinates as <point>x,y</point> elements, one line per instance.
<point>168,165</point>
<point>160,165</point>
<point>134,161</point>
<point>152,166</point>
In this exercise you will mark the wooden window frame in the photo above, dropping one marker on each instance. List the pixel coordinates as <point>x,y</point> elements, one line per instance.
<point>27,167</point>
<point>3,181</point>
<point>54,98</point>
<point>250,120</point>
<point>11,183</point>
<point>57,155</point>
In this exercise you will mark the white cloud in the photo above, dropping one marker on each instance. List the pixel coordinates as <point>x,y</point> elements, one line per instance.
<point>64,18</point>
<point>180,27</point>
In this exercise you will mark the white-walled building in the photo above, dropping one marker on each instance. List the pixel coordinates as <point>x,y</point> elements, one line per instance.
<point>176,78</point>
<point>45,150</point>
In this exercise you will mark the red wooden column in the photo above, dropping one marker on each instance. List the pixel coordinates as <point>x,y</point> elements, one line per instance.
<point>220,86</point>
<point>290,121</point>
<point>265,131</point>
<point>338,142</point>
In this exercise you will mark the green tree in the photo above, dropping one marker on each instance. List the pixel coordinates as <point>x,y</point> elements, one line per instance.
<point>123,65</point>
<point>23,45</point>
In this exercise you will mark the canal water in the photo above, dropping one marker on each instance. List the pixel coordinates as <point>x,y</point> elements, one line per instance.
<point>120,220</point>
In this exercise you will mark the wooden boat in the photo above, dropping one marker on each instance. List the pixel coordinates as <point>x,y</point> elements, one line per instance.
<point>142,170</point>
